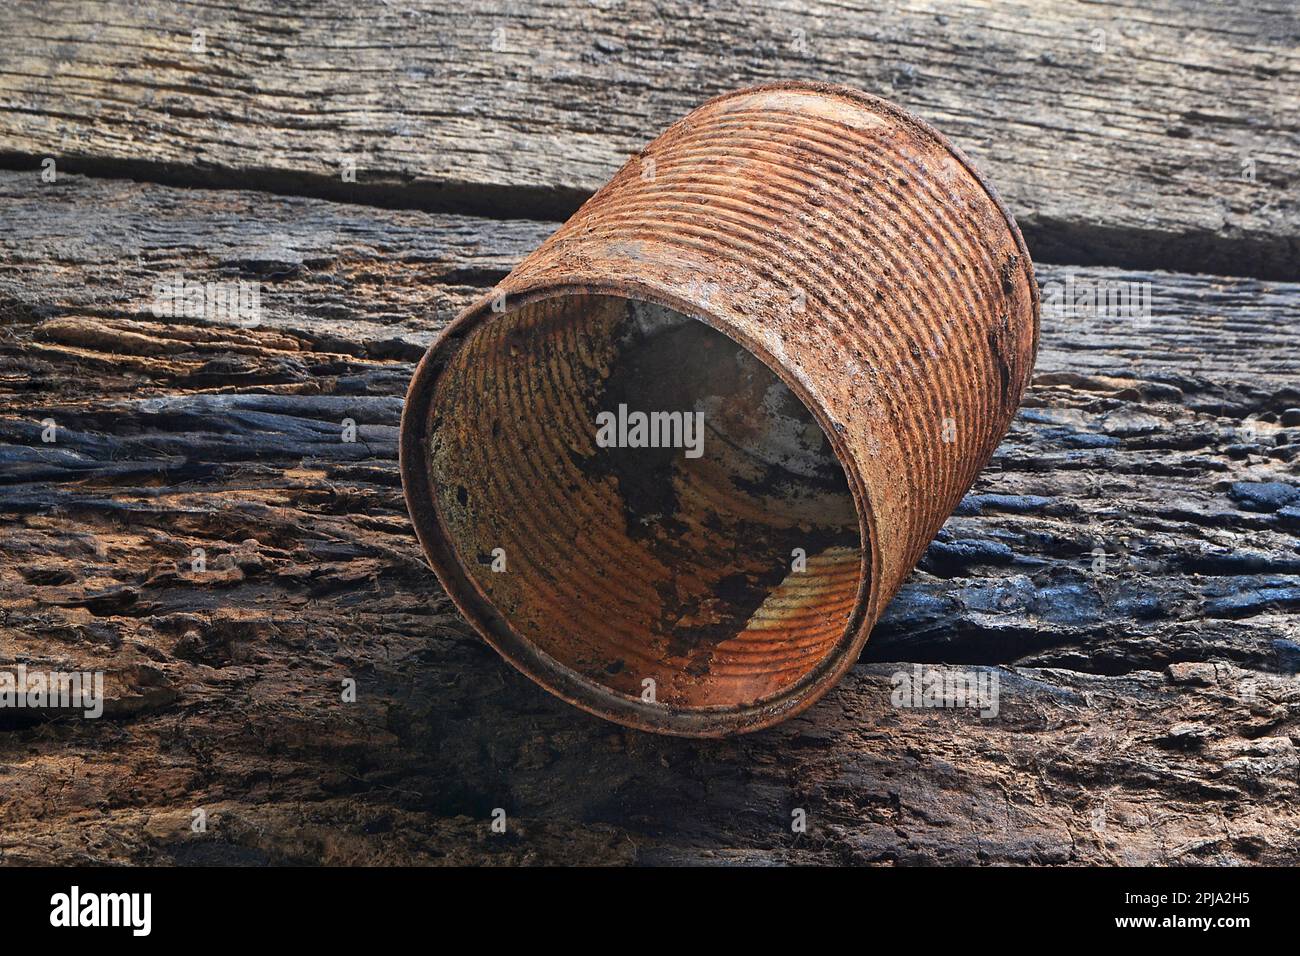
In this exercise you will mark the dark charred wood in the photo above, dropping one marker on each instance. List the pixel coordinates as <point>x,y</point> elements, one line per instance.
<point>1148,705</point>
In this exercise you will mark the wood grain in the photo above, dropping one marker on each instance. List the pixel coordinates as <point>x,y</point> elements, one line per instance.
<point>1154,136</point>
<point>1148,708</point>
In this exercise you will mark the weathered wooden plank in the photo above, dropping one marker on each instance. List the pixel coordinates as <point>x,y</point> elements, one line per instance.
<point>1147,706</point>
<point>1159,136</point>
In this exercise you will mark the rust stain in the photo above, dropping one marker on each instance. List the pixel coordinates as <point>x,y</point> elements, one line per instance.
<point>829,284</point>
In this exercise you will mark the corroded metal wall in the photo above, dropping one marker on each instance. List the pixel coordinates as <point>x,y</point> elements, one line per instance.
<point>849,248</point>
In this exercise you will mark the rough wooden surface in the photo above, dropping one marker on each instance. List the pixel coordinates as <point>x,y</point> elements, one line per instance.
<point>1145,136</point>
<point>1149,704</point>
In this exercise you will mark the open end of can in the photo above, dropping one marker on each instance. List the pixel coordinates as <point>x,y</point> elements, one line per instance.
<point>635,510</point>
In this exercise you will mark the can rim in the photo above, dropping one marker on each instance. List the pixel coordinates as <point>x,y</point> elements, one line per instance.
<point>536,664</point>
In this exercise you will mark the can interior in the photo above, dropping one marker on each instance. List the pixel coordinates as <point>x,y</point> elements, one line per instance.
<point>724,567</point>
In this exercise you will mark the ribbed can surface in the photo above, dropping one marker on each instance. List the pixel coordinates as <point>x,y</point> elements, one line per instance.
<point>842,244</point>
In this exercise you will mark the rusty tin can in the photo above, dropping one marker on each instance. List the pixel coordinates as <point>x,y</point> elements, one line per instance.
<point>676,464</point>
